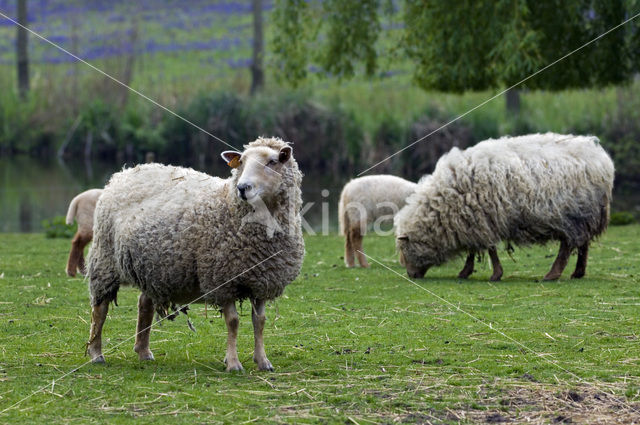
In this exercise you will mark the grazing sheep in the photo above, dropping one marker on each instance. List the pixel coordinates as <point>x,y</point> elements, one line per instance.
<point>363,201</point>
<point>81,208</point>
<point>524,190</point>
<point>179,235</point>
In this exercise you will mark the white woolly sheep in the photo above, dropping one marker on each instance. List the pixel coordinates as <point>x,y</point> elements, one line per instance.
<point>178,235</point>
<point>365,200</point>
<point>522,190</point>
<point>81,208</point>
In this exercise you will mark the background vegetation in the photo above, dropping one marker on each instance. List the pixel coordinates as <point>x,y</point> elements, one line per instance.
<point>195,58</point>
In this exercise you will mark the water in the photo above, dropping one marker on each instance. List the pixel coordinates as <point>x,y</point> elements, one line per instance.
<point>32,190</point>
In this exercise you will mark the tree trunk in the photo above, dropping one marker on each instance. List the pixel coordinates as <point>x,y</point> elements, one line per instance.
<point>21,50</point>
<point>76,71</point>
<point>257,71</point>
<point>127,75</point>
<point>513,102</point>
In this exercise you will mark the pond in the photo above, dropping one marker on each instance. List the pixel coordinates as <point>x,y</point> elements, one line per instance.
<point>32,190</point>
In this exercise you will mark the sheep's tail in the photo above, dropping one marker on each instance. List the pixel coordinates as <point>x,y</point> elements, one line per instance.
<point>343,219</point>
<point>71,212</point>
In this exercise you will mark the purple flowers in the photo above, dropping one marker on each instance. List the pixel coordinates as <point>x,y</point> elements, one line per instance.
<point>103,29</point>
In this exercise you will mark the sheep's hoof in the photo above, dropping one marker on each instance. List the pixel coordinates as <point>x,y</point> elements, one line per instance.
<point>577,274</point>
<point>144,356</point>
<point>235,367</point>
<point>550,276</point>
<point>98,359</point>
<point>70,273</point>
<point>496,277</point>
<point>464,274</point>
<point>264,365</point>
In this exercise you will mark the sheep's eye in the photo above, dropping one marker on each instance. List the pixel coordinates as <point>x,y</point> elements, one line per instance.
<point>271,162</point>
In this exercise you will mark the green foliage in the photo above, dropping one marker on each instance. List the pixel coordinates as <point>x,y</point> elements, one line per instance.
<point>21,126</point>
<point>353,31</point>
<point>57,227</point>
<point>621,218</point>
<point>324,137</point>
<point>481,44</point>
<point>445,45</point>
<point>137,130</point>
<point>98,129</point>
<point>348,345</point>
<point>295,30</point>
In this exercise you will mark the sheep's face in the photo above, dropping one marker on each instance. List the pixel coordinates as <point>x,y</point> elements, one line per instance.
<point>259,171</point>
<point>410,257</point>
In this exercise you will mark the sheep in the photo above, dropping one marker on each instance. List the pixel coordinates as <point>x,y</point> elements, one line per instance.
<point>81,208</point>
<point>179,236</point>
<point>522,190</point>
<point>365,200</point>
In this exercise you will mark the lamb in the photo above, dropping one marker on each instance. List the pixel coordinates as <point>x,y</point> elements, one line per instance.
<point>81,208</point>
<point>365,200</point>
<point>368,199</point>
<point>522,190</point>
<point>180,235</point>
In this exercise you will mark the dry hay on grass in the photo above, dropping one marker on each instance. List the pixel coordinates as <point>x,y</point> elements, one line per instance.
<point>536,403</point>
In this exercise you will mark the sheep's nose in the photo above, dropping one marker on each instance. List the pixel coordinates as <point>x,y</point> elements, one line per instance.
<point>242,188</point>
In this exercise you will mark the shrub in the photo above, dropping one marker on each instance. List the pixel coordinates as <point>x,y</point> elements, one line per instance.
<point>388,138</point>
<point>621,218</point>
<point>58,228</point>
<point>325,138</point>
<point>423,156</point>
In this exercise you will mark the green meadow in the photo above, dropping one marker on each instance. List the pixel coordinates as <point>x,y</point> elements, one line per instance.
<point>348,345</point>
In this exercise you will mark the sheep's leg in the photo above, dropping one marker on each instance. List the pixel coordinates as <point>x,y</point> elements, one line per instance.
<point>232,320</point>
<point>468,266</point>
<point>74,255</point>
<point>94,346</point>
<point>258,318</point>
<point>81,265</point>
<point>495,265</point>
<point>145,318</point>
<point>357,245</point>
<point>561,262</point>
<point>349,258</point>
<point>581,264</point>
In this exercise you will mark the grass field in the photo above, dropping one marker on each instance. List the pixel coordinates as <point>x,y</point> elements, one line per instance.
<point>349,346</point>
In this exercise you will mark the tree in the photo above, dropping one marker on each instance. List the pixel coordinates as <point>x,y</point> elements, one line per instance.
<point>466,45</point>
<point>22,54</point>
<point>257,68</point>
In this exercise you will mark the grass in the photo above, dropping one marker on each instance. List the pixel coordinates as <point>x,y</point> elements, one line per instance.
<point>349,345</point>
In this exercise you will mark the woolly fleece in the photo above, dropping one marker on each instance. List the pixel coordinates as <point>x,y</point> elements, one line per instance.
<point>525,190</point>
<point>369,192</point>
<point>176,233</point>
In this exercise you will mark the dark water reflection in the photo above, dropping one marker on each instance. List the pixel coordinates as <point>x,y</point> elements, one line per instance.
<point>32,190</point>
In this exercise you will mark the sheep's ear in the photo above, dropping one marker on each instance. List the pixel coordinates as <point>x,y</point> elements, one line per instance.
<point>232,158</point>
<point>403,238</point>
<point>285,154</point>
